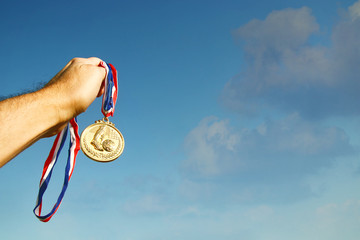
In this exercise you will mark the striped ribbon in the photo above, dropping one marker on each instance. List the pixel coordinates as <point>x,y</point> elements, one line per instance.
<point>108,108</point>
<point>111,86</point>
<point>50,163</point>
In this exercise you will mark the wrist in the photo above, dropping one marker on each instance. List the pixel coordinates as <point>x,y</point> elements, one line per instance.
<point>56,109</point>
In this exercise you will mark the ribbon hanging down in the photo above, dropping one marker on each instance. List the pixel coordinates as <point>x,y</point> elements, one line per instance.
<point>108,108</point>
<point>110,94</point>
<point>50,163</point>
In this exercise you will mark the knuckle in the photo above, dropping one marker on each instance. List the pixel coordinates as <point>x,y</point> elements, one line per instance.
<point>94,58</point>
<point>76,59</point>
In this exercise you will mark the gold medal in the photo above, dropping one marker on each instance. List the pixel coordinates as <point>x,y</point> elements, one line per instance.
<point>102,141</point>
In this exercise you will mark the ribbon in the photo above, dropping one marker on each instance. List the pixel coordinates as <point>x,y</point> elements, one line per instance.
<point>110,94</point>
<point>108,108</point>
<point>50,163</point>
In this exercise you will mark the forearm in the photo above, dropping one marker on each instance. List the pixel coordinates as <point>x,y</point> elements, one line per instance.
<point>26,119</point>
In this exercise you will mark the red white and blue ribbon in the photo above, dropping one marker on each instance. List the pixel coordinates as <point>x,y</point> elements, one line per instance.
<point>110,94</point>
<point>108,108</point>
<point>50,163</point>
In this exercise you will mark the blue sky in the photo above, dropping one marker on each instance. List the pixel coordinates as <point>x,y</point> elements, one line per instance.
<point>240,119</point>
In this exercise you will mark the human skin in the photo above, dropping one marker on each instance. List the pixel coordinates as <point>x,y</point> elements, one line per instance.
<point>27,118</point>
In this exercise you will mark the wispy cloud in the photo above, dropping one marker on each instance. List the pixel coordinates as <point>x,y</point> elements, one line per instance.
<point>286,71</point>
<point>209,143</point>
<point>286,74</point>
<point>265,163</point>
<point>148,204</point>
<point>289,146</point>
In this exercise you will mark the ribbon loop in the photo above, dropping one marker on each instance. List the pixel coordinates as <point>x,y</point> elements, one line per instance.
<point>50,164</point>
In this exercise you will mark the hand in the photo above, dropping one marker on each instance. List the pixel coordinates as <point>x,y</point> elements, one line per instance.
<point>77,85</point>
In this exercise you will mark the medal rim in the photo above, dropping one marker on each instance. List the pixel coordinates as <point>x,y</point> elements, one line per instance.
<point>101,122</point>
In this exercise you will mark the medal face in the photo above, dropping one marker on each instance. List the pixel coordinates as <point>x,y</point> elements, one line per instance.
<point>102,141</point>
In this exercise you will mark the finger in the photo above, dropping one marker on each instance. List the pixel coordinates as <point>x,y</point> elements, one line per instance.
<point>94,60</point>
<point>102,89</point>
<point>103,72</point>
<point>91,60</point>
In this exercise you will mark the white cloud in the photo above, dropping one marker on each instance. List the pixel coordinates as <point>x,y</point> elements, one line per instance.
<point>260,213</point>
<point>189,211</point>
<point>205,145</point>
<point>285,71</point>
<point>281,31</point>
<point>196,190</point>
<point>337,220</point>
<point>354,11</point>
<point>148,204</point>
<point>266,163</point>
<point>290,145</point>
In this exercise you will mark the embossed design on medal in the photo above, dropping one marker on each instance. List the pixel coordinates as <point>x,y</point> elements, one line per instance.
<point>102,141</point>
